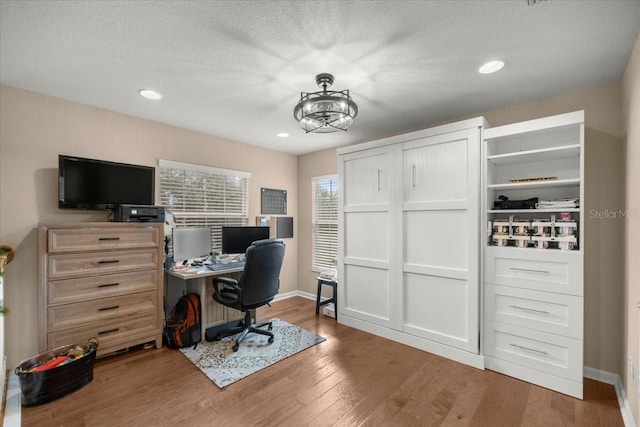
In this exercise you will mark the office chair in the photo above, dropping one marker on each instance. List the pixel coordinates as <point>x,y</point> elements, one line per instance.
<point>258,285</point>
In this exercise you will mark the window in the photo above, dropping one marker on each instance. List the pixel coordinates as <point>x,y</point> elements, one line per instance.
<point>324,191</point>
<point>200,196</point>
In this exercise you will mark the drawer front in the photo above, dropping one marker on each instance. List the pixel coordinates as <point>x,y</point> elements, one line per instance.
<point>62,266</point>
<point>111,334</point>
<point>86,239</point>
<point>544,270</point>
<point>69,315</point>
<point>550,353</point>
<point>543,311</point>
<point>94,287</point>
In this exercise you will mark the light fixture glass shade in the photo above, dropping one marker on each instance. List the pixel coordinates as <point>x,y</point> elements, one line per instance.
<point>327,110</point>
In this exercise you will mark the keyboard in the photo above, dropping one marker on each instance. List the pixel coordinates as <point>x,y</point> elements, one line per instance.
<point>228,266</point>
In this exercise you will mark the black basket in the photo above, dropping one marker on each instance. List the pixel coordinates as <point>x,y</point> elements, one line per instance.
<point>45,386</point>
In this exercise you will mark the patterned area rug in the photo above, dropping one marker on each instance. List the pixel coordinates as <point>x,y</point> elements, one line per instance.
<point>223,366</point>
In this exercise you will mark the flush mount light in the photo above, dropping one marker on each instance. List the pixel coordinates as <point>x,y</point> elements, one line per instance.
<point>282,134</point>
<point>491,67</point>
<point>327,110</point>
<point>150,94</point>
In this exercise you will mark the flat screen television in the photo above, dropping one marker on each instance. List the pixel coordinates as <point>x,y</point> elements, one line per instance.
<point>236,240</point>
<point>99,184</point>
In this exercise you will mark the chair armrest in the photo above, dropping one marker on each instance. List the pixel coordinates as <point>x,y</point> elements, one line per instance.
<point>227,281</point>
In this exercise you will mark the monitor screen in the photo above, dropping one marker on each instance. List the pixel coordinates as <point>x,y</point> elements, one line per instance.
<point>191,243</point>
<point>236,240</point>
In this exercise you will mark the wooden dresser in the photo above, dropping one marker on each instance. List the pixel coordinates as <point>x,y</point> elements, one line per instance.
<point>101,280</point>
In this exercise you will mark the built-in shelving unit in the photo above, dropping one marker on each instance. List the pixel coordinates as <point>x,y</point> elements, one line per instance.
<point>533,258</point>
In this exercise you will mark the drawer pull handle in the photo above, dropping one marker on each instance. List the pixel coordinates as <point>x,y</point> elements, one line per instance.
<point>113,307</point>
<point>413,175</point>
<point>529,349</point>
<point>108,238</point>
<point>109,331</point>
<point>379,172</point>
<point>530,270</point>
<point>108,285</point>
<point>109,261</point>
<point>529,309</point>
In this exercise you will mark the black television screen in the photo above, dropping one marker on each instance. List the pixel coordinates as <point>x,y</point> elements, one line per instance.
<point>236,240</point>
<point>98,184</point>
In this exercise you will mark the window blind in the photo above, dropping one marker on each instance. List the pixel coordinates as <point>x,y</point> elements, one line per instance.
<point>201,196</point>
<point>324,222</point>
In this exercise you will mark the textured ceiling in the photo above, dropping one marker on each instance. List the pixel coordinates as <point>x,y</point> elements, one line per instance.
<point>235,69</point>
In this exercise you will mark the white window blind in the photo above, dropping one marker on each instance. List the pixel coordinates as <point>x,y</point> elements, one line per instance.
<point>324,191</point>
<point>200,196</point>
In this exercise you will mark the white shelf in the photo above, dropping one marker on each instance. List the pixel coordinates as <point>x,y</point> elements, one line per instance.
<point>535,184</point>
<point>520,211</point>
<point>538,155</point>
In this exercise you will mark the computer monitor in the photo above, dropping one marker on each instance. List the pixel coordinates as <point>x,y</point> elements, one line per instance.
<point>191,243</point>
<point>236,240</point>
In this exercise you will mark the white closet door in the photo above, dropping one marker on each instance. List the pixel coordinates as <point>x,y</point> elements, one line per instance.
<point>365,290</point>
<point>440,235</point>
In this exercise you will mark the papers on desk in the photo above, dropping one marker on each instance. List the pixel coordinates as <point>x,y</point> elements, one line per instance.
<point>187,269</point>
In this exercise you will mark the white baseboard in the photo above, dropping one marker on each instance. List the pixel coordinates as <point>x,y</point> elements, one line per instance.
<point>327,310</point>
<point>614,379</point>
<point>13,406</point>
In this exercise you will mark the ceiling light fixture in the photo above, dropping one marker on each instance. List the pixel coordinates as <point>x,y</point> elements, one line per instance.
<point>282,134</point>
<point>491,67</point>
<point>327,110</point>
<point>150,94</point>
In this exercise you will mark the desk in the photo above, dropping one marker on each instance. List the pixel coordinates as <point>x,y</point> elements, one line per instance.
<point>178,283</point>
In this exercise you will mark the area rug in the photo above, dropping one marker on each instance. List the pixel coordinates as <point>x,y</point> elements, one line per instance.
<point>223,366</point>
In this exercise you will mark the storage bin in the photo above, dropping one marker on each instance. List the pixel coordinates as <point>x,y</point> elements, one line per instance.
<point>44,386</point>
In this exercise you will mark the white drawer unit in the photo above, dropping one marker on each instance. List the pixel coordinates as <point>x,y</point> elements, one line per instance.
<point>541,351</point>
<point>543,311</point>
<point>539,269</point>
<point>533,282</point>
<point>101,280</point>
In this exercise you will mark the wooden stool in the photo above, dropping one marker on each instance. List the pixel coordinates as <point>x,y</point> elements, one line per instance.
<point>334,300</point>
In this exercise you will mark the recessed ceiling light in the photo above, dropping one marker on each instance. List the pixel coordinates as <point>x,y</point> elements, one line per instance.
<point>150,94</point>
<point>282,134</point>
<point>491,67</point>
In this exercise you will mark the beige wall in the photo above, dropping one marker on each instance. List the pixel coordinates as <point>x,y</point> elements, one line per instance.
<point>34,129</point>
<point>631,115</point>
<point>604,283</point>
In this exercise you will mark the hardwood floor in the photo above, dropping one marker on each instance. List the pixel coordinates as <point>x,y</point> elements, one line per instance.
<point>353,378</point>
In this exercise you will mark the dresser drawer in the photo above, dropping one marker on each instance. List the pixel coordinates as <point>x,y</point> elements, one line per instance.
<point>62,266</point>
<point>111,334</point>
<point>86,239</point>
<point>68,315</point>
<point>543,311</point>
<point>550,353</point>
<point>538,269</point>
<point>93,287</point>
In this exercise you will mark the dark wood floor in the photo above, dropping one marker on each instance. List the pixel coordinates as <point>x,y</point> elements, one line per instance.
<point>353,378</point>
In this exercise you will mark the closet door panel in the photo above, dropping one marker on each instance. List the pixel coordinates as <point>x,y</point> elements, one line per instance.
<point>440,235</point>
<point>367,178</point>
<point>436,309</point>
<point>367,296</point>
<point>365,287</point>
<point>367,236</point>
<point>436,238</point>
<point>437,171</point>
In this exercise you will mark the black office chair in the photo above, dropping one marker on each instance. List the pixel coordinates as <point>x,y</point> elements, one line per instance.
<point>258,285</point>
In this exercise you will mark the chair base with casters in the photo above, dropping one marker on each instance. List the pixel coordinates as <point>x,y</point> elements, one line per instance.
<point>244,329</point>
